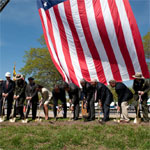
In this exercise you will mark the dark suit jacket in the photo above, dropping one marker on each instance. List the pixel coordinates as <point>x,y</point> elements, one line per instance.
<point>144,86</point>
<point>123,92</point>
<point>104,94</point>
<point>1,90</point>
<point>9,90</point>
<point>20,88</point>
<point>74,92</point>
<point>87,90</point>
<point>60,95</point>
<point>31,91</point>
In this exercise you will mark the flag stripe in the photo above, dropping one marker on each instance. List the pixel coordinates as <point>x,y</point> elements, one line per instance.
<point>120,37</point>
<point>71,44</point>
<point>113,38</point>
<point>97,40</point>
<point>128,36</point>
<point>49,44</point>
<point>106,42</point>
<point>81,56</point>
<point>55,36</point>
<point>79,29</point>
<point>90,42</point>
<point>65,46</point>
<point>137,39</point>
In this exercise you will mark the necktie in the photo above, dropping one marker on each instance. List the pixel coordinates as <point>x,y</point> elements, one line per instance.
<point>7,84</point>
<point>95,95</point>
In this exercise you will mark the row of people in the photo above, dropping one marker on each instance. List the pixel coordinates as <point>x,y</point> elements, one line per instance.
<point>17,92</point>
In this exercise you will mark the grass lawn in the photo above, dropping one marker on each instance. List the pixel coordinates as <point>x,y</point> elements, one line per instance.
<point>65,135</point>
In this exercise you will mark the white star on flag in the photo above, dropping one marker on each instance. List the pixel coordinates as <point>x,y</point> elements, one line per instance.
<point>45,4</point>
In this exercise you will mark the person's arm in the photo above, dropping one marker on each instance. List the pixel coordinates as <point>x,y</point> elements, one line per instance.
<point>35,91</point>
<point>147,85</point>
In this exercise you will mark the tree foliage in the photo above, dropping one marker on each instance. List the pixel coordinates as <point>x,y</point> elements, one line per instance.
<point>38,64</point>
<point>146,44</point>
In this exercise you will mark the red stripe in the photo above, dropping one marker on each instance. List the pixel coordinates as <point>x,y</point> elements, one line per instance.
<point>81,57</point>
<point>65,46</point>
<point>105,39</point>
<point>90,42</point>
<point>137,39</point>
<point>51,33</point>
<point>120,37</point>
<point>46,39</point>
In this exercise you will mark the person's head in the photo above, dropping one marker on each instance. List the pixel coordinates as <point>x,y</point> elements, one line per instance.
<point>39,87</point>
<point>112,83</point>
<point>18,78</point>
<point>66,86</point>
<point>56,88</point>
<point>8,75</point>
<point>82,82</point>
<point>93,82</point>
<point>31,80</point>
<point>1,81</point>
<point>138,77</point>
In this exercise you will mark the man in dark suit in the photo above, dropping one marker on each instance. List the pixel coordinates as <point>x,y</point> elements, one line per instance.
<point>124,95</point>
<point>74,96</point>
<point>1,99</point>
<point>58,93</point>
<point>87,91</point>
<point>8,92</point>
<point>31,93</point>
<point>141,87</point>
<point>19,95</point>
<point>103,95</point>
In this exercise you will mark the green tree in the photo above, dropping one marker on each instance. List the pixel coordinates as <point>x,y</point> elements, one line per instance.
<point>38,64</point>
<point>146,44</point>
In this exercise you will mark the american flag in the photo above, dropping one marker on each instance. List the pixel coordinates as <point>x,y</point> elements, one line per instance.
<point>93,39</point>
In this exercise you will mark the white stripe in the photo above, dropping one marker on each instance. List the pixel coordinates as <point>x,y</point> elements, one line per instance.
<point>70,40</point>
<point>50,42</point>
<point>56,34</point>
<point>128,35</point>
<point>97,40</point>
<point>113,39</point>
<point>79,29</point>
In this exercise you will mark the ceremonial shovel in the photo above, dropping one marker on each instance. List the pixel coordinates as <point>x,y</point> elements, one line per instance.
<point>137,120</point>
<point>2,118</point>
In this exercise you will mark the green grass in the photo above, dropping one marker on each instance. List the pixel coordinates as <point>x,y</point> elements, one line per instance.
<point>65,136</point>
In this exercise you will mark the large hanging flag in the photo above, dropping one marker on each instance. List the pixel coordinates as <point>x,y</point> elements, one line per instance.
<point>93,39</point>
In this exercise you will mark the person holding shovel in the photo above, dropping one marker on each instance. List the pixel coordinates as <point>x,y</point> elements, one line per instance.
<point>45,99</point>
<point>8,92</point>
<point>141,87</point>
<point>19,95</point>
<point>124,95</point>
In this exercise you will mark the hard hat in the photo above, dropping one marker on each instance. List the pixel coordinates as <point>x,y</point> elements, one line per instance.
<point>7,74</point>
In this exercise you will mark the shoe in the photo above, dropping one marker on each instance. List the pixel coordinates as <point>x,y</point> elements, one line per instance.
<point>75,119</point>
<point>125,121</point>
<point>105,120</point>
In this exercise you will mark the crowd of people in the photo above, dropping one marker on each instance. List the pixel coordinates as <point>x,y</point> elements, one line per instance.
<point>19,93</point>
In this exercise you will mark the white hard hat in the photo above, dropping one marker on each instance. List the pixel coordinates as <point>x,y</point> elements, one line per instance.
<point>7,74</point>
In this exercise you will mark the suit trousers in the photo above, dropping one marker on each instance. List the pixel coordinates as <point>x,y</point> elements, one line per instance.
<point>124,111</point>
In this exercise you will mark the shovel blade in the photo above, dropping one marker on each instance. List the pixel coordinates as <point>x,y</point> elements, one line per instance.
<point>1,119</point>
<point>25,121</point>
<point>12,120</point>
<point>137,120</point>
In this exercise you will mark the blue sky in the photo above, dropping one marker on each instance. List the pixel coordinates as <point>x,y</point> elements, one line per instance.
<point>20,27</point>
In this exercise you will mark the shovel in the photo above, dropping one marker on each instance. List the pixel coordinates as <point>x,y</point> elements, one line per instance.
<point>137,120</point>
<point>118,117</point>
<point>12,114</point>
<point>2,118</point>
<point>39,119</point>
